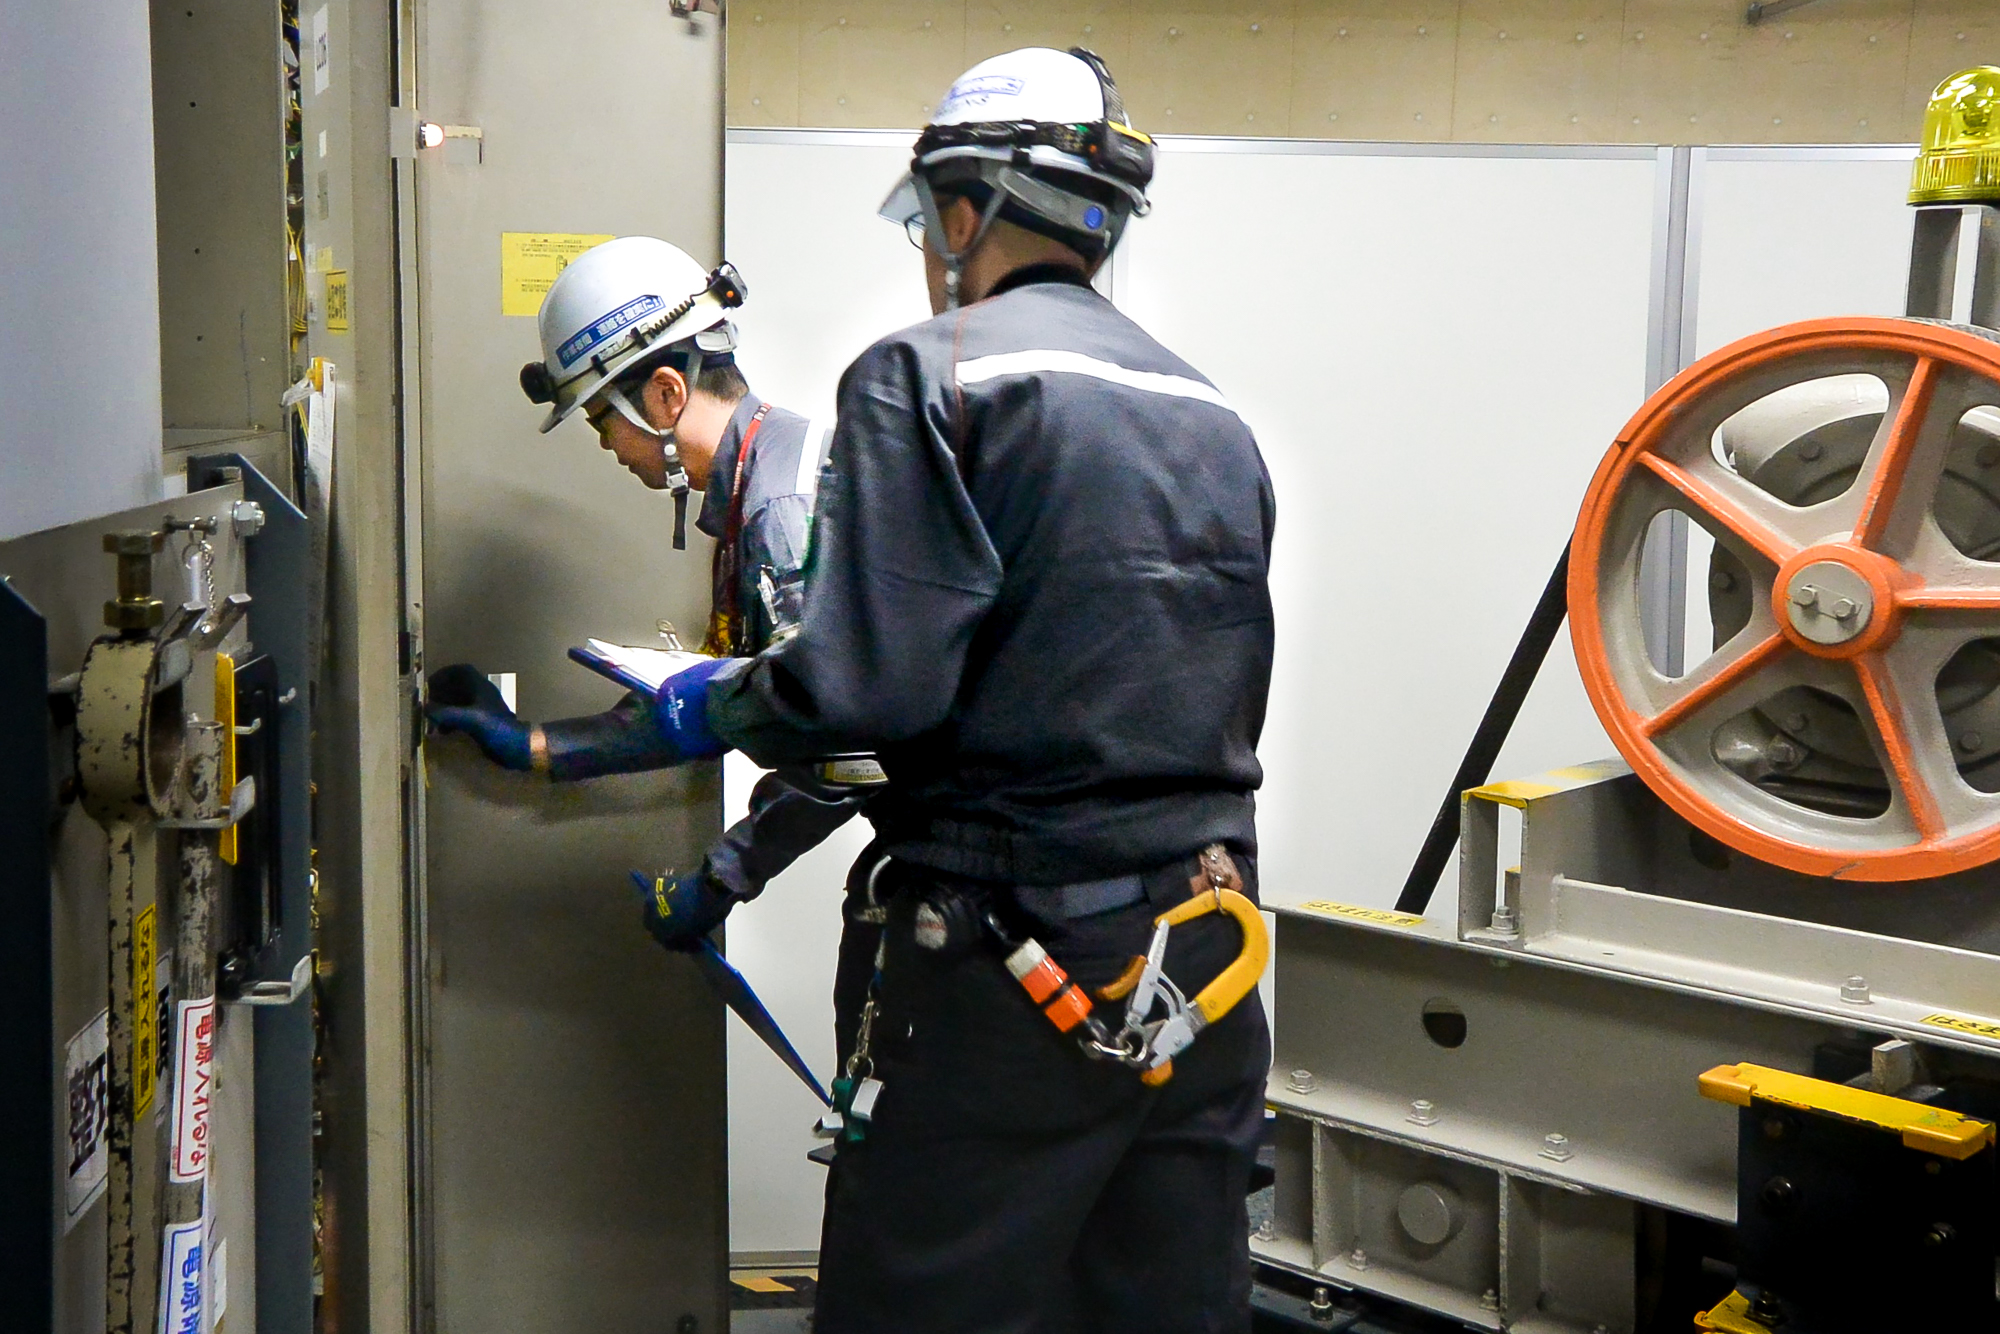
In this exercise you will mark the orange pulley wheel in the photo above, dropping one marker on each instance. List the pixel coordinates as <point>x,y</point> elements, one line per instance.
<point>1847,723</point>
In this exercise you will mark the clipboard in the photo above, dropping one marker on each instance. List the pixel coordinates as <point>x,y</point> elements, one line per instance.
<point>641,669</point>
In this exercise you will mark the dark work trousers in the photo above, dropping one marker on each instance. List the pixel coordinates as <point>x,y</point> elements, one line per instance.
<point>1008,1183</point>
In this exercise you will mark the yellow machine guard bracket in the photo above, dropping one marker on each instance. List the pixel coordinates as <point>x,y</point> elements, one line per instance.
<point>1732,1317</point>
<point>225,713</point>
<point>1926,1129</point>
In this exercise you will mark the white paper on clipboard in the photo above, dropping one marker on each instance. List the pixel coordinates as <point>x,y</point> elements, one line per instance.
<point>646,667</point>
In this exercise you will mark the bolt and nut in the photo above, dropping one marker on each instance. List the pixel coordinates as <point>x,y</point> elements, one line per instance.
<point>1301,1081</point>
<point>1423,1112</point>
<point>1322,1305</point>
<point>1855,991</point>
<point>1555,1147</point>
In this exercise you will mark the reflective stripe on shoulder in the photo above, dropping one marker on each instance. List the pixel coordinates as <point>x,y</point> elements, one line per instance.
<point>1042,360</point>
<point>812,456</point>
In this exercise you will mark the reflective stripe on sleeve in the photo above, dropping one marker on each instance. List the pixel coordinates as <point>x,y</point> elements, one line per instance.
<point>812,454</point>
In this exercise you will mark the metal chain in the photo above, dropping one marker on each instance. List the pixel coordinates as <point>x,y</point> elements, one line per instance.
<point>201,570</point>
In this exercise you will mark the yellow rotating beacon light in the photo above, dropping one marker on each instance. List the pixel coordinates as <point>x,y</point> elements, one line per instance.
<point>1960,159</point>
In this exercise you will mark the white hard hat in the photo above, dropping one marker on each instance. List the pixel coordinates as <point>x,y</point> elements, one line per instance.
<point>1043,135</point>
<point>1035,83</point>
<point>619,302</point>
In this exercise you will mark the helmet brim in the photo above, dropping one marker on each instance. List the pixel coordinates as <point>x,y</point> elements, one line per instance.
<point>903,202</point>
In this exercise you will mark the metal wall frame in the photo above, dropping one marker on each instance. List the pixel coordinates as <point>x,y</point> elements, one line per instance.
<point>29,1167</point>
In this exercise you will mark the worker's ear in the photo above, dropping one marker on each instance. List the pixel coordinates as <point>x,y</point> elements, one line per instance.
<point>666,395</point>
<point>960,220</point>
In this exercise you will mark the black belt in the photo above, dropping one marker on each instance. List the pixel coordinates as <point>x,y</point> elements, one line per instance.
<point>1085,898</point>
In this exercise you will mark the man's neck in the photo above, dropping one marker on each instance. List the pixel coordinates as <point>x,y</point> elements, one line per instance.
<point>1027,275</point>
<point>699,434</point>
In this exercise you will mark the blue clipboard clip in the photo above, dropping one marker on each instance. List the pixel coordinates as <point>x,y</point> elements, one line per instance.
<point>603,666</point>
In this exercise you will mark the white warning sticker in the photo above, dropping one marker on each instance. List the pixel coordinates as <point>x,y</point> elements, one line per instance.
<point>87,1075</point>
<point>181,1280</point>
<point>194,1083</point>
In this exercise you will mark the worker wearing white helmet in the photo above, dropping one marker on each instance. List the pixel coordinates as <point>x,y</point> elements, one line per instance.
<point>636,339</point>
<point>1038,593</point>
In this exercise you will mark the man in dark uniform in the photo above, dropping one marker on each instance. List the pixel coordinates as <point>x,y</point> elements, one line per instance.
<point>1038,591</point>
<point>635,336</point>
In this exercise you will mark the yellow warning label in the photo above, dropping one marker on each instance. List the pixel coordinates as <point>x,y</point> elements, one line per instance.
<point>1379,916</point>
<point>225,716</point>
<point>336,301</point>
<point>145,1029</point>
<point>1984,1028</point>
<point>530,261</point>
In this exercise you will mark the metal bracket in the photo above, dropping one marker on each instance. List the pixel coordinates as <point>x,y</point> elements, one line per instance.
<point>1769,9</point>
<point>242,798</point>
<point>277,993</point>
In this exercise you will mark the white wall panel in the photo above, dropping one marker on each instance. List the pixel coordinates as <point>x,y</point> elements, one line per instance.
<point>79,273</point>
<point>1784,234</point>
<point>1434,352</point>
<point>826,278</point>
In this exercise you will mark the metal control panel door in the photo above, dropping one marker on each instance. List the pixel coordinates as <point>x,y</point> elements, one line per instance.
<point>570,1151</point>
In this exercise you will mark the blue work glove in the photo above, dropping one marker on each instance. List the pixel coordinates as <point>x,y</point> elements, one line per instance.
<point>680,706</point>
<point>678,912</point>
<point>461,699</point>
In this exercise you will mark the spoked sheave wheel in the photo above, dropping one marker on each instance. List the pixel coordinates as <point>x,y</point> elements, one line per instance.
<point>1862,611</point>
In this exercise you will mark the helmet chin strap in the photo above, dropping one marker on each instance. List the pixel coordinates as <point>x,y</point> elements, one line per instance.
<point>670,450</point>
<point>954,260</point>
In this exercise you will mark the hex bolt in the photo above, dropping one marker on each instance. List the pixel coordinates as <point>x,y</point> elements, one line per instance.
<point>1489,1300</point>
<point>1506,921</point>
<point>1301,1081</point>
<point>1555,1147</point>
<point>1766,1310</point>
<point>135,610</point>
<point>1357,1258</point>
<point>1855,991</point>
<point>1322,1304</point>
<point>1842,609</point>
<point>246,517</point>
<point>1423,1112</point>
<point>1265,1232</point>
<point>1805,595</point>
